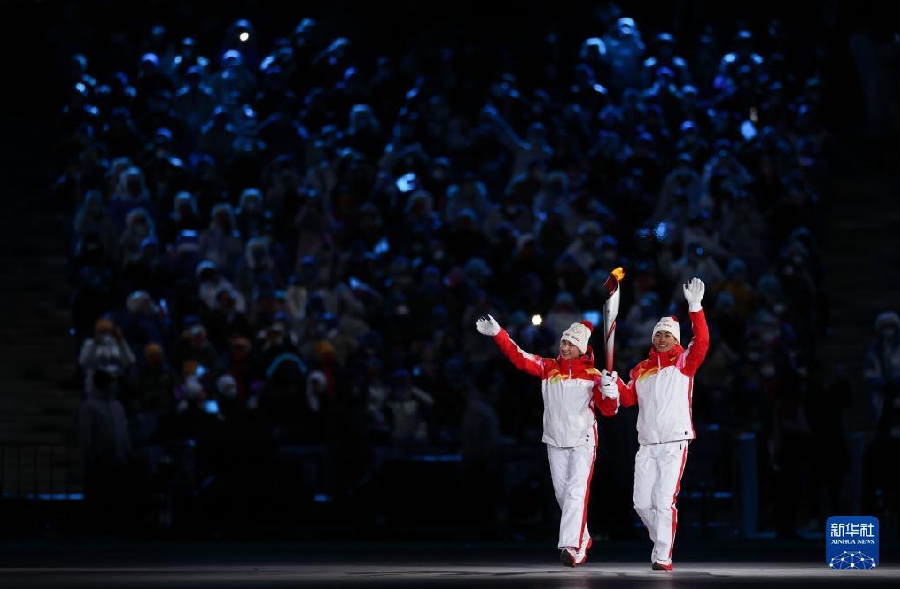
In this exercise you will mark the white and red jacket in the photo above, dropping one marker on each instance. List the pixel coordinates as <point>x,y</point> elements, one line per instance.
<point>570,389</point>
<point>663,386</point>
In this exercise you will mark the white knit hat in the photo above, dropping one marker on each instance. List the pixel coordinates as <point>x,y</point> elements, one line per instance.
<point>669,324</point>
<point>578,334</point>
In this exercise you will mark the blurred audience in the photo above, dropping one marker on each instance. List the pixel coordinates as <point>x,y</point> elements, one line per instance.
<point>303,229</point>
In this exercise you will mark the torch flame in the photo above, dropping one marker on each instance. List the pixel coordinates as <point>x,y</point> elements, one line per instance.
<point>612,281</point>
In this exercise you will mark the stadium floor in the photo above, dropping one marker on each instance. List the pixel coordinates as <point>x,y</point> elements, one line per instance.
<point>64,564</point>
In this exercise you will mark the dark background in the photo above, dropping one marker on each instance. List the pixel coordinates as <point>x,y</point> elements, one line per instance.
<point>39,37</point>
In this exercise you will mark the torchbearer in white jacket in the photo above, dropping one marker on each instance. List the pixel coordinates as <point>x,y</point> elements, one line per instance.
<point>570,387</point>
<point>662,386</point>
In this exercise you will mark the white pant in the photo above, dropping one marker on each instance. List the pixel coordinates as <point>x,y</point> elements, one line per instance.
<point>657,480</point>
<point>571,470</point>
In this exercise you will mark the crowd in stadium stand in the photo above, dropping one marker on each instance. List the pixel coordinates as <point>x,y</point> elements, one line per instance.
<point>288,240</point>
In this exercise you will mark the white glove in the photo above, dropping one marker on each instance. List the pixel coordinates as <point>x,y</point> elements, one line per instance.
<point>693,294</point>
<point>487,325</point>
<point>609,384</point>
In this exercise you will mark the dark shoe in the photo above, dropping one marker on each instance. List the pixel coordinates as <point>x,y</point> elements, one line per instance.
<point>661,566</point>
<point>567,557</point>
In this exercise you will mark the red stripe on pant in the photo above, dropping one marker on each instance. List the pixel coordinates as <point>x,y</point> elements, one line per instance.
<point>587,490</point>
<point>675,498</point>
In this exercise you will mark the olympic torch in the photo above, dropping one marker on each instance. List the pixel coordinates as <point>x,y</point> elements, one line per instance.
<point>611,312</point>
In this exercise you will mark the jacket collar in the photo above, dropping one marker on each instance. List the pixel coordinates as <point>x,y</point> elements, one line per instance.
<point>586,360</point>
<point>664,357</point>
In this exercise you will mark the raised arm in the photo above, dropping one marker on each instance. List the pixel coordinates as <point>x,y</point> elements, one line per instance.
<point>530,363</point>
<point>699,345</point>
